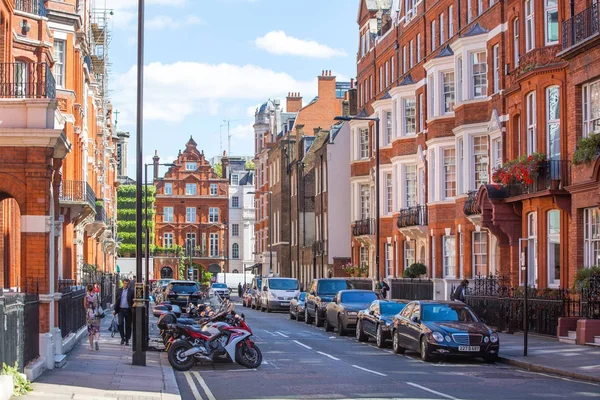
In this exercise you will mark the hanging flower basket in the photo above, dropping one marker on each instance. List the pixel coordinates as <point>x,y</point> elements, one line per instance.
<point>523,170</point>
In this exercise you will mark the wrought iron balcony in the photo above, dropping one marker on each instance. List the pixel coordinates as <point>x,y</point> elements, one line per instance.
<point>580,27</point>
<point>552,175</point>
<point>22,80</point>
<point>318,247</point>
<point>37,7</point>
<point>471,207</point>
<point>77,192</point>
<point>364,227</point>
<point>199,253</point>
<point>413,216</point>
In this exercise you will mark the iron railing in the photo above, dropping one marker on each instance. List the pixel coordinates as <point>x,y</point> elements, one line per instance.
<point>552,175</point>
<point>411,289</point>
<point>364,227</point>
<point>71,311</point>
<point>204,254</point>
<point>362,283</point>
<point>20,80</point>
<point>37,7</point>
<point>318,247</point>
<point>77,192</point>
<point>580,27</point>
<point>471,207</point>
<point>413,216</point>
<point>19,325</point>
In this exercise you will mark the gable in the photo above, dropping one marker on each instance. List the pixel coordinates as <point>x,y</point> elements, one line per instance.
<point>363,12</point>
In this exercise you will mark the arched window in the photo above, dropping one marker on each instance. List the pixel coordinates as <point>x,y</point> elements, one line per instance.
<point>235,271</point>
<point>235,251</point>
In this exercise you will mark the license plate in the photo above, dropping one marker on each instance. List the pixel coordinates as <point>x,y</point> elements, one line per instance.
<point>183,297</point>
<point>468,348</point>
<point>285,304</point>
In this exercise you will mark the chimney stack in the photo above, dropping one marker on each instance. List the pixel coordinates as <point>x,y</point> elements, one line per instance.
<point>224,166</point>
<point>293,102</point>
<point>326,83</point>
<point>155,160</point>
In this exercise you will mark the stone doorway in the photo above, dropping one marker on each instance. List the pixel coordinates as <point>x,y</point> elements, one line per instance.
<point>166,273</point>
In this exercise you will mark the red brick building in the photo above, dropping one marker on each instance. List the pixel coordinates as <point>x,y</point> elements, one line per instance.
<point>462,89</point>
<point>192,212</point>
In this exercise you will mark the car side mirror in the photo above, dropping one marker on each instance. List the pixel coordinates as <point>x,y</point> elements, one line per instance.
<point>414,319</point>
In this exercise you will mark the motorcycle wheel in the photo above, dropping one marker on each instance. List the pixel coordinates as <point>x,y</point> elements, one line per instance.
<point>176,360</point>
<point>249,357</point>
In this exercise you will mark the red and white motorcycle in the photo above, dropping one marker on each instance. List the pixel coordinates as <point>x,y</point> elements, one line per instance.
<point>214,340</point>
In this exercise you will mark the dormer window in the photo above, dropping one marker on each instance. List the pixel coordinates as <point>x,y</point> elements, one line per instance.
<point>191,166</point>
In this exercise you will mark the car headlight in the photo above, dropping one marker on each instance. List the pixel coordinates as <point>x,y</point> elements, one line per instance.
<point>438,337</point>
<point>351,313</point>
<point>494,338</point>
<point>486,339</point>
<point>272,296</point>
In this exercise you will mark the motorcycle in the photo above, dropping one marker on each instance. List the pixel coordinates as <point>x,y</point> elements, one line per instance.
<point>215,339</point>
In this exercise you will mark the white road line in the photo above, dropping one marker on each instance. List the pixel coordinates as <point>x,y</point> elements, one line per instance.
<point>281,334</point>
<point>446,396</point>
<point>204,386</point>
<point>271,333</point>
<point>302,344</point>
<point>192,386</point>
<point>328,355</point>
<point>368,370</point>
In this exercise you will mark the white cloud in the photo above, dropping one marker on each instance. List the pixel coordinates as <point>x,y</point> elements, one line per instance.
<point>240,131</point>
<point>125,11</point>
<point>279,43</point>
<point>173,92</point>
<point>167,22</point>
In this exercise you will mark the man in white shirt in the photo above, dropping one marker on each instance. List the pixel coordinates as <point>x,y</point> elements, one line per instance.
<point>123,307</point>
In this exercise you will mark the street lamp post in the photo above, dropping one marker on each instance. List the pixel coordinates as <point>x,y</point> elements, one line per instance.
<point>270,226</point>
<point>377,184</point>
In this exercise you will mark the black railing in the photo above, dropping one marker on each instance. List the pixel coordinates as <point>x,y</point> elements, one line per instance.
<point>318,247</point>
<point>590,298</point>
<point>552,175</point>
<point>20,80</point>
<point>77,192</point>
<point>364,227</point>
<point>580,27</point>
<point>471,207</point>
<point>37,7</point>
<point>19,322</point>
<point>101,213</point>
<point>362,283</point>
<point>411,289</point>
<point>413,216</point>
<point>71,311</point>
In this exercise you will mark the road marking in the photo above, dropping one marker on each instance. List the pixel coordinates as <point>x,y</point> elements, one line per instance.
<point>328,355</point>
<point>281,334</point>
<point>446,396</point>
<point>192,386</point>
<point>271,333</point>
<point>302,344</point>
<point>204,386</point>
<point>368,370</point>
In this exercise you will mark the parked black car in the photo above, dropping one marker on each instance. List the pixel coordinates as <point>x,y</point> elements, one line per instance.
<point>378,320</point>
<point>321,292</point>
<point>443,328</point>
<point>297,307</point>
<point>182,293</point>
<point>342,312</point>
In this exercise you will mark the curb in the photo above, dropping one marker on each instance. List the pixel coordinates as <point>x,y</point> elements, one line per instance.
<point>171,391</point>
<point>549,370</point>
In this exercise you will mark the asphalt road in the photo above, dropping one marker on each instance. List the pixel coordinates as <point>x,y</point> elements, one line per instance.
<point>304,362</point>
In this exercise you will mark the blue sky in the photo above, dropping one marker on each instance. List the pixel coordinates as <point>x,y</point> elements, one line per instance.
<point>211,60</point>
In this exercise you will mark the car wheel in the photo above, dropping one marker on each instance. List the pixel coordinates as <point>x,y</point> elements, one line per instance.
<point>307,318</point>
<point>327,325</point>
<point>318,321</point>
<point>341,330</point>
<point>379,337</point>
<point>396,343</point>
<point>360,335</point>
<point>300,317</point>
<point>425,356</point>
<point>491,358</point>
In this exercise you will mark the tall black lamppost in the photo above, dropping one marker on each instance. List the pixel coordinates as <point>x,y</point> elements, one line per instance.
<point>139,352</point>
<point>270,226</point>
<point>377,184</point>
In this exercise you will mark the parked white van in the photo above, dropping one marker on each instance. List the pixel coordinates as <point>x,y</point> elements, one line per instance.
<point>277,293</point>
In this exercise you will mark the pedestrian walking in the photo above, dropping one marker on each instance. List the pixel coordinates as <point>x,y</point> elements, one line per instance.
<point>123,308</point>
<point>459,292</point>
<point>91,304</point>
<point>239,289</point>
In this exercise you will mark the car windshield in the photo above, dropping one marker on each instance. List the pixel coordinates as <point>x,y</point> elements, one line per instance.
<point>358,297</point>
<point>184,288</point>
<point>283,284</point>
<point>391,308</point>
<point>219,286</point>
<point>447,313</point>
<point>332,287</point>
<point>302,296</point>
<point>259,283</point>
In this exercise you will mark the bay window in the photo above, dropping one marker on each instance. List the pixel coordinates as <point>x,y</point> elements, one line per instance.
<point>410,116</point>
<point>480,246</point>
<point>449,256</point>
<point>480,151</point>
<point>531,123</point>
<point>591,237</point>
<point>448,94</point>
<point>554,248</point>
<point>365,200</point>
<point>479,74</point>
<point>389,194</point>
<point>551,11</point>
<point>388,128</point>
<point>411,186</point>
<point>364,143</point>
<point>449,173</point>
<point>529,25</point>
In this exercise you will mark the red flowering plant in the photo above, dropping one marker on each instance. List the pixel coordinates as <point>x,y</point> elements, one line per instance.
<point>523,170</point>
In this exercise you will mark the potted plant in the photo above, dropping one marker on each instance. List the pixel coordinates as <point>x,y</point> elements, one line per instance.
<point>523,170</point>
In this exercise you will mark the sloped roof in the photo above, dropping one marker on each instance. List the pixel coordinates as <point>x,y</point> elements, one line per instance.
<point>408,80</point>
<point>386,96</point>
<point>446,52</point>
<point>475,30</point>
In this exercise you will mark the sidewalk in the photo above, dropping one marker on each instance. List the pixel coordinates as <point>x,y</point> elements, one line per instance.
<point>108,374</point>
<point>546,354</point>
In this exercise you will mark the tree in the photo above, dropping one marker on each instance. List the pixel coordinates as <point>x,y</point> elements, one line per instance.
<point>126,213</point>
<point>218,168</point>
<point>250,165</point>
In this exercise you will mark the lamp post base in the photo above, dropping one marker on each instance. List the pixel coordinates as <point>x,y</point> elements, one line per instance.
<point>139,350</point>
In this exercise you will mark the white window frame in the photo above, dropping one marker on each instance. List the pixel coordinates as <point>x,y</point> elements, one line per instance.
<point>553,122</point>
<point>214,245</point>
<point>235,229</point>
<point>421,113</point>
<point>235,202</point>
<point>531,121</point>
<point>450,21</point>
<point>442,38</point>
<point>168,189</point>
<point>404,60</point>
<point>363,255</point>
<point>469,11</point>
<point>191,189</point>
<point>190,214</point>
<point>364,201</point>
<point>168,239</point>
<point>449,256</point>
<point>448,92</point>
<point>433,35</point>
<point>449,160</point>
<point>167,214</point>
<point>480,161</point>
<point>529,25</point>
<point>480,242</point>
<point>532,236</point>
<point>235,179</point>
<point>549,10</point>
<point>389,193</point>
<point>591,106</point>
<point>363,140</point>
<point>553,239</point>
<point>479,7</point>
<point>235,251</point>
<point>191,166</point>
<point>410,186</point>
<point>389,127</point>
<point>591,237</point>
<point>411,54</point>
<point>214,189</point>
<point>496,60</point>
<point>389,257</point>
<point>409,116</point>
<point>516,44</point>
<point>213,215</point>
<point>497,152</point>
<point>60,47</point>
<point>410,253</point>
<point>481,73</point>
<point>418,48</point>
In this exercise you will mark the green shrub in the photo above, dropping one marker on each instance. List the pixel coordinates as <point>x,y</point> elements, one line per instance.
<point>22,385</point>
<point>582,279</point>
<point>587,149</point>
<point>415,271</point>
